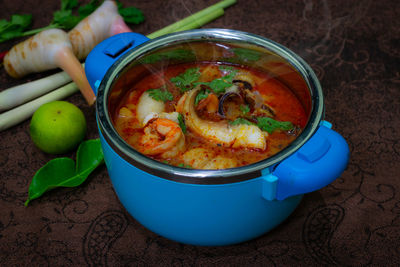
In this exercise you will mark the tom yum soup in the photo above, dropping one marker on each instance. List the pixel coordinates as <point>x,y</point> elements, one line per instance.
<point>209,115</point>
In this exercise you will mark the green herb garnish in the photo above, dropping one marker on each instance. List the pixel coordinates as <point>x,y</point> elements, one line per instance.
<point>160,94</point>
<point>203,94</point>
<point>239,121</point>
<point>186,80</point>
<point>62,172</point>
<point>231,73</point>
<point>219,85</point>
<point>269,125</point>
<point>15,27</point>
<point>63,18</point>
<point>131,14</point>
<point>244,109</point>
<point>182,124</point>
<point>182,165</point>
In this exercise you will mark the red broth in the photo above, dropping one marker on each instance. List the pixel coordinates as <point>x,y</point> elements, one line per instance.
<point>169,134</point>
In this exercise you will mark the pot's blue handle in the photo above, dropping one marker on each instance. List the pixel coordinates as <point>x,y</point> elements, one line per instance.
<point>106,53</point>
<point>316,164</point>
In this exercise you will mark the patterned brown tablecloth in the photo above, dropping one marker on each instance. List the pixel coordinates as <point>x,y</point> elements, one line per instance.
<point>353,46</point>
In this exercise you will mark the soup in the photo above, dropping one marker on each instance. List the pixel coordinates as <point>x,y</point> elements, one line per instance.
<point>209,115</point>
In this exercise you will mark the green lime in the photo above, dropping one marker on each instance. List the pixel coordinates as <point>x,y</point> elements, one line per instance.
<point>57,127</point>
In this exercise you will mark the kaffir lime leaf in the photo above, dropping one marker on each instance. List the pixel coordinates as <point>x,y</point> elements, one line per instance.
<point>57,127</point>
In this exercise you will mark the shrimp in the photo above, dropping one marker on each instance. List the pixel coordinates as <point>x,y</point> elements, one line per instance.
<point>46,50</point>
<point>161,136</point>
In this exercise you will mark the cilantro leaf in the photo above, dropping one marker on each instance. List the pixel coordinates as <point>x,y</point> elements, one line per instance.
<point>88,9</point>
<point>219,85</point>
<point>184,81</point>
<point>269,125</point>
<point>65,19</point>
<point>203,94</point>
<point>68,4</point>
<point>231,73</point>
<point>182,124</point>
<point>239,121</point>
<point>15,27</point>
<point>131,15</point>
<point>160,94</point>
<point>182,165</point>
<point>244,109</point>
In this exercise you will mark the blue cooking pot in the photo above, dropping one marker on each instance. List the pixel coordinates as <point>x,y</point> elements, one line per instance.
<point>212,207</point>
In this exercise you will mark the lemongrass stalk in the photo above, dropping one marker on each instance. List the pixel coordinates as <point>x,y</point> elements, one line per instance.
<point>25,111</point>
<point>17,95</point>
<point>179,24</point>
<point>203,20</point>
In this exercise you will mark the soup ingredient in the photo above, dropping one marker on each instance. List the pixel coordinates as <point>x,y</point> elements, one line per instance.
<point>197,19</point>
<point>220,131</point>
<point>249,130</point>
<point>148,107</point>
<point>220,162</point>
<point>21,94</point>
<point>269,125</point>
<point>46,50</point>
<point>220,84</point>
<point>181,122</point>
<point>63,19</point>
<point>19,114</point>
<point>249,136</point>
<point>160,94</point>
<point>62,172</point>
<point>201,158</point>
<point>15,27</point>
<point>57,127</point>
<point>208,100</point>
<point>130,14</point>
<point>101,24</point>
<point>161,136</point>
<point>186,80</point>
<point>212,130</point>
<point>41,52</point>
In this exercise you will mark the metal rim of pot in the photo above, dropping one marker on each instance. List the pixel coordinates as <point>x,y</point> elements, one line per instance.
<point>196,176</point>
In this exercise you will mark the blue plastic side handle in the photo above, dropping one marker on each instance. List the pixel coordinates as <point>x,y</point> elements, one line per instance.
<point>106,53</point>
<point>316,164</point>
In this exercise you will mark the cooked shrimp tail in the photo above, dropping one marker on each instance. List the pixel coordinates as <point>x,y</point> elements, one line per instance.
<point>160,136</point>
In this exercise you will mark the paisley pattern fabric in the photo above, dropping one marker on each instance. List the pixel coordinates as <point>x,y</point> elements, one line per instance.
<point>354,48</point>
